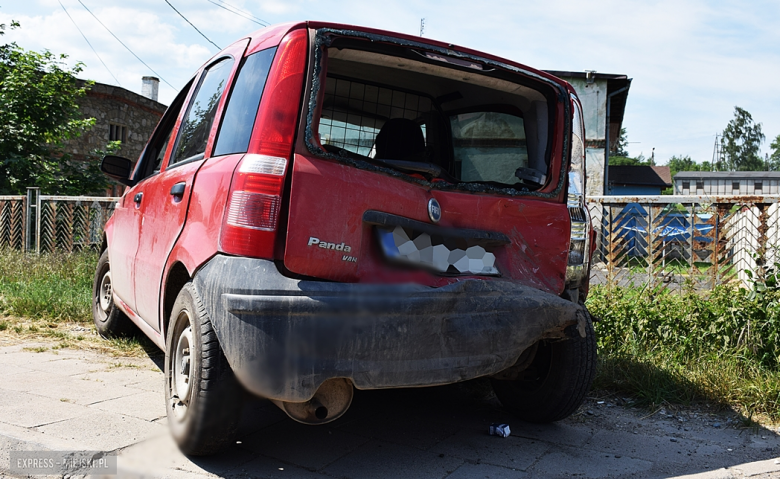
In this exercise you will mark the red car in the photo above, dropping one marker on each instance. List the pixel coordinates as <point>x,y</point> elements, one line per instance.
<point>326,207</point>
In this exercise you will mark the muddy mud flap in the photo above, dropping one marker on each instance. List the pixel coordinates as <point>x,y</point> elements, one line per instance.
<point>284,337</point>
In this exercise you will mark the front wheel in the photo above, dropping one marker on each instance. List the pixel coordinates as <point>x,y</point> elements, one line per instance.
<point>203,398</point>
<point>110,321</point>
<point>555,383</point>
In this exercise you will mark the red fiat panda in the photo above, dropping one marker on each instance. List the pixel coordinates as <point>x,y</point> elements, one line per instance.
<point>327,207</point>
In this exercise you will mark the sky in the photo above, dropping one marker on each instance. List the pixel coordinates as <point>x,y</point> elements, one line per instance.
<point>691,61</point>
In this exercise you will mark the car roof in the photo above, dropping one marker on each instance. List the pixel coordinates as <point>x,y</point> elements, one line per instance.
<point>271,36</point>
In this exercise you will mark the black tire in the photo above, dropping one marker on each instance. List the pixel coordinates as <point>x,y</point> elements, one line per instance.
<point>555,383</point>
<point>110,321</point>
<point>202,396</point>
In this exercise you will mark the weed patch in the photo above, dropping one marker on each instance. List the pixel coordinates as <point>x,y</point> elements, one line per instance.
<point>54,286</point>
<point>720,346</point>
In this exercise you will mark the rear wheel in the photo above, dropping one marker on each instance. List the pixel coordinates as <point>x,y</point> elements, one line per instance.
<point>202,396</point>
<point>555,383</point>
<point>110,321</point>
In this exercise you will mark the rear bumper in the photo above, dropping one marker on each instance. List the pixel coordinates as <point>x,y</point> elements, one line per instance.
<point>284,337</point>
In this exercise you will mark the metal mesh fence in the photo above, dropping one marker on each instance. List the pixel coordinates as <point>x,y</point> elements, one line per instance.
<point>71,223</point>
<point>674,240</point>
<point>12,221</point>
<point>645,240</point>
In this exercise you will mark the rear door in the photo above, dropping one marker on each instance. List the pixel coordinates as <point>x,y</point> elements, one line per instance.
<point>494,210</point>
<point>165,199</point>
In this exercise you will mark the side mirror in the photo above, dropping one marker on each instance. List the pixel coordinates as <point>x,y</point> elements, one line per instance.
<point>117,168</point>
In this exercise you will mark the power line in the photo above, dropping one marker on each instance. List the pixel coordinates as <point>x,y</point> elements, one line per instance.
<point>128,48</point>
<point>247,11</point>
<point>193,26</point>
<point>88,43</point>
<point>246,14</point>
<point>237,13</point>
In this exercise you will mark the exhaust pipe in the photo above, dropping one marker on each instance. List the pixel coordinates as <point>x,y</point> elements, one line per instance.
<point>329,403</point>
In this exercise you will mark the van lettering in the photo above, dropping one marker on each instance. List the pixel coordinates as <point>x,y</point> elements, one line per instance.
<point>313,241</point>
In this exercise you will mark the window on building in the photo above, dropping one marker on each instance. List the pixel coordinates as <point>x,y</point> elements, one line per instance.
<point>686,185</point>
<point>758,185</point>
<point>117,132</point>
<point>735,185</point>
<point>700,185</point>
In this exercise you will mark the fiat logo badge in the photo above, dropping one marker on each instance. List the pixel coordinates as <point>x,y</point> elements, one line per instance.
<point>434,210</point>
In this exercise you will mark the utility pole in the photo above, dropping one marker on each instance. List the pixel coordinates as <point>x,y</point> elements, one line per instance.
<point>716,153</point>
<point>422,26</point>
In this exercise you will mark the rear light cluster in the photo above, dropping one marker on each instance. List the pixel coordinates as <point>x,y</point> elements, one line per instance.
<point>580,219</point>
<point>255,198</point>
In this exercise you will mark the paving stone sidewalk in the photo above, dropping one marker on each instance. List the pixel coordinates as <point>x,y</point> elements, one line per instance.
<point>76,400</point>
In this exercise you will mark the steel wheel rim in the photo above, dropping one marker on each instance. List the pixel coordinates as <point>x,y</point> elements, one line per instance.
<point>181,368</point>
<point>105,292</point>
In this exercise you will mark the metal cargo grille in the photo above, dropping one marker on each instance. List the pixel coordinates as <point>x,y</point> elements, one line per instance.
<point>354,112</point>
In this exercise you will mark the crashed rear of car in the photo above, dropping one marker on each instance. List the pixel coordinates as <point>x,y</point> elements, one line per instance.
<point>371,210</point>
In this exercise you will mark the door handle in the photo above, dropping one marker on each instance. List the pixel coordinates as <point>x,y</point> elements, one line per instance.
<point>137,198</point>
<point>178,189</point>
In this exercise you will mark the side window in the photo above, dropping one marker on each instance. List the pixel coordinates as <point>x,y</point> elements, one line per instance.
<point>239,117</point>
<point>195,128</point>
<point>155,151</point>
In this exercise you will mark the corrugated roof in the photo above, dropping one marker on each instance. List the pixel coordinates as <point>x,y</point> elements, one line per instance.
<point>726,175</point>
<point>640,175</point>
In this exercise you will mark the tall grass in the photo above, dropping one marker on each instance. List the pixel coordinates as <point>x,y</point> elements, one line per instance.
<point>720,346</point>
<point>54,286</point>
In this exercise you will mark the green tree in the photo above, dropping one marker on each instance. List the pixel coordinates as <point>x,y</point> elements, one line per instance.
<point>620,148</point>
<point>677,164</point>
<point>741,142</point>
<point>627,161</point>
<point>39,94</point>
<point>774,158</point>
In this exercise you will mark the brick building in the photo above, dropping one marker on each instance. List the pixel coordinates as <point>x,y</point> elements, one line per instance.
<point>119,115</point>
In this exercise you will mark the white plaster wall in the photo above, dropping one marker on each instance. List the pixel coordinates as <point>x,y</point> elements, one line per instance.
<point>593,97</point>
<point>594,168</point>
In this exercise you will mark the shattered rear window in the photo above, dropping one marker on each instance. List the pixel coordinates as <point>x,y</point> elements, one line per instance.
<point>480,125</point>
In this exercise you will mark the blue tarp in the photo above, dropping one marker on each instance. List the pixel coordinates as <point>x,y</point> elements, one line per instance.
<point>670,228</point>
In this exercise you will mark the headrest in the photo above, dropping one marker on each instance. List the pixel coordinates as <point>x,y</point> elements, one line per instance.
<point>400,139</point>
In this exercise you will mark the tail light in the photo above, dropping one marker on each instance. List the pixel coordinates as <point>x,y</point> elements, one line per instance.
<point>251,218</point>
<point>580,218</point>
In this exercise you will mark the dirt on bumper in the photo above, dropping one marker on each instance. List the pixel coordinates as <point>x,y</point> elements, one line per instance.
<point>284,337</point>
